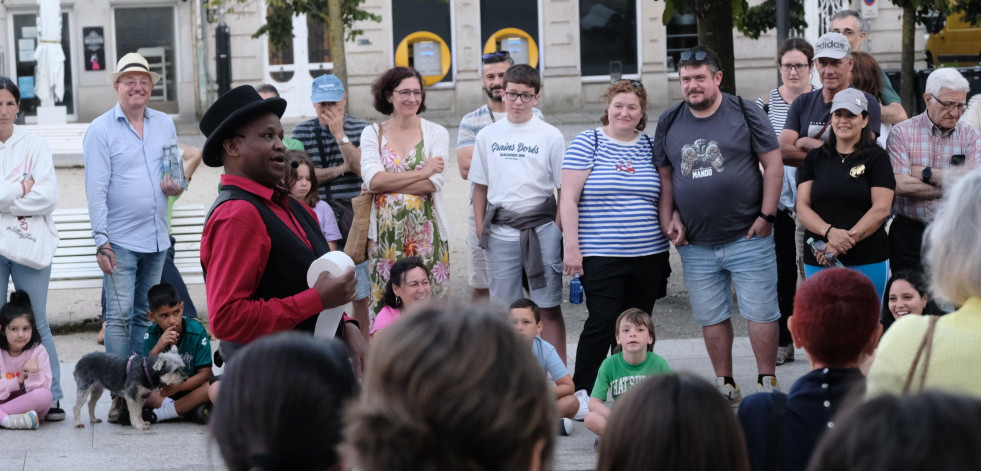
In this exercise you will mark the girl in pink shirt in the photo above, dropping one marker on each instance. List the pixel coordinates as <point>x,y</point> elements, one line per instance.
<point>407,285</point>
<point>25,371</point>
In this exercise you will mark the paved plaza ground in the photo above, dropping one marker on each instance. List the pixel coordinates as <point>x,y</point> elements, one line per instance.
<point>182,446</point>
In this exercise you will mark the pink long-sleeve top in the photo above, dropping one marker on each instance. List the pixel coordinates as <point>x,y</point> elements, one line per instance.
<point>10,366</point>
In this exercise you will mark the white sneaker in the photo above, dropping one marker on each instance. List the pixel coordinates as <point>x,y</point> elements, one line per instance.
<point>731,392</point>
<point>25,421</point>
<point>583,405</point>
<point>769,384</point>
<point>785,354</point>
<point>565,427</point>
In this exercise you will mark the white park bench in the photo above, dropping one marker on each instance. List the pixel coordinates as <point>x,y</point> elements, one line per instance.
<point>65,141</point>
<point>74,264</point>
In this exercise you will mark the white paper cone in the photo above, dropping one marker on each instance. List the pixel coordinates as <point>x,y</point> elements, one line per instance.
<point>334,263</point>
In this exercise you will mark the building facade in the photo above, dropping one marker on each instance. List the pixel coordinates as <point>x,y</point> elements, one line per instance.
<point>576,44</point>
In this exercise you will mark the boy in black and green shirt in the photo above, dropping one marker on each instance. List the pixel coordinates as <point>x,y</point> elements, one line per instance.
<point>170,328</point>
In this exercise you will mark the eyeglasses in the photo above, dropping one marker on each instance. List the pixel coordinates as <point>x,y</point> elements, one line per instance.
<point>525,97</point>
<point>797,67</point>
<point>634,83</point>
<point>950,105</point>
<point>699,55</point>
<point>491,56</point>
<point>134,83</point>
<point>406,93</point>
<point>847,32</point>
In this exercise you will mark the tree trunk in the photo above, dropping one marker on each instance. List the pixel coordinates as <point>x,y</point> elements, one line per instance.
<point>335,26</point>
<point>715,32</point>
<point>907,75</point>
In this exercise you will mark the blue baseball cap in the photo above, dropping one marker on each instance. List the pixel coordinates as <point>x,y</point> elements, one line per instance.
<point>327,88</point>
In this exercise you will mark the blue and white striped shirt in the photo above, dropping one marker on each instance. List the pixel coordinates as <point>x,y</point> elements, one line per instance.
<point>618,206</point>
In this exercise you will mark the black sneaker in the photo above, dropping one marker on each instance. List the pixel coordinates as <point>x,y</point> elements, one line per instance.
<point>200,415</point>
<point>55,413</point>
<point>148,416</point>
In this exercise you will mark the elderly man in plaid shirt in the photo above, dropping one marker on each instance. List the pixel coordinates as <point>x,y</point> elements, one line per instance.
<point>923,149</point>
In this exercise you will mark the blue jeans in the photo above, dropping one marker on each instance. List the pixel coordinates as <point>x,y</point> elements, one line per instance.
<point>126,303</point>
<point>35,283</point>
<point>748,264</point>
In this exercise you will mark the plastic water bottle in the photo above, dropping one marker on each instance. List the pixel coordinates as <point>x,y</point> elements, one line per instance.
<point>166,163</point>
<point>575,290</point>
<point>819,246</point>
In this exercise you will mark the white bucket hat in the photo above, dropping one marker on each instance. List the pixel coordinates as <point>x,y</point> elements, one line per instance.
<point>133,62</point>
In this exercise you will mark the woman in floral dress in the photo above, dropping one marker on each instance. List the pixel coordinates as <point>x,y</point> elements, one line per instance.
<point>402,165</point>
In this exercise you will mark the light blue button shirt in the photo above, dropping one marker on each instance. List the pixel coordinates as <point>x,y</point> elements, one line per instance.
<point>122,180</point>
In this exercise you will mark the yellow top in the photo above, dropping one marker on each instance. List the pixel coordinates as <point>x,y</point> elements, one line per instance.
<point>955,363</point>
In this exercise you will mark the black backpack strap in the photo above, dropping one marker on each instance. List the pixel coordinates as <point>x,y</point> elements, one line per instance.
<point>749,124</point>
<point>322,150</point>
<point>667,127</point>
<point>774,432</point>
<point>595,142</point>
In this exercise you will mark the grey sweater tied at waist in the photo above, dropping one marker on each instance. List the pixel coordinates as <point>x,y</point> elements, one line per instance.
<point>526,222</point>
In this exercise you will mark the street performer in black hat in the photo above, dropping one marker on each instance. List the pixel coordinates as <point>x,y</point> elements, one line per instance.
<point>258,242</point>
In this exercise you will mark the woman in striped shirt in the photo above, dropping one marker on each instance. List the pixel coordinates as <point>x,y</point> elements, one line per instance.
<point>794,58</point>
<point>613,239</point>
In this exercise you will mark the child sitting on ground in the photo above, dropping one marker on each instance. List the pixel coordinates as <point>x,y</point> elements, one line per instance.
<point>25,372</point>
<point>634,362</point>
<point>526,318</point>
<point>170,328</point>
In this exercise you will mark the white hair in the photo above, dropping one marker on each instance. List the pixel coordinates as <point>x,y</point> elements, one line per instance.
<point>951,247</point>
<point>948,78</point>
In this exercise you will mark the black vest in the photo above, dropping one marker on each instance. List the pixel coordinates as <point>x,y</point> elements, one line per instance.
<point>289,257</point>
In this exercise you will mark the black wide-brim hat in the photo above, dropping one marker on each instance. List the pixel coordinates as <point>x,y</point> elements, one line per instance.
<point>231,111</point>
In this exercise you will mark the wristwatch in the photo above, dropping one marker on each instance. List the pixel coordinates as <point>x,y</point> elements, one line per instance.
<point>345,140</point>
<point>927,173</point>
<point>768,218</point>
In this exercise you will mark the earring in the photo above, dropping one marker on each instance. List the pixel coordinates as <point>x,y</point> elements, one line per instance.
<point>398,301</point>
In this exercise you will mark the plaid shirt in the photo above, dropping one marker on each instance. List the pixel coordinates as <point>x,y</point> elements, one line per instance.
<point>918,142</point>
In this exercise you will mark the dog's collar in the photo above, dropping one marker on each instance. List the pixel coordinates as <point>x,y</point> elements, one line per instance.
<point>145,370</point>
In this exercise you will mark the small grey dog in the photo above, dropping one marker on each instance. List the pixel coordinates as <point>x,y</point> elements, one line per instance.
<point>132,378</point>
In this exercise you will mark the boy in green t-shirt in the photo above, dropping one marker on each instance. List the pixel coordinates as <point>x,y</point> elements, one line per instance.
<point>170,328</point>
<point>634,362</point>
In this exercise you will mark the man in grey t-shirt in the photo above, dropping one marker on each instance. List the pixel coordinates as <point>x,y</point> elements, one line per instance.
<point>719,210</point>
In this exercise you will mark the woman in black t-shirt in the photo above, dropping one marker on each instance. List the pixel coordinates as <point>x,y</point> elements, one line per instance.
<point>844,194</point>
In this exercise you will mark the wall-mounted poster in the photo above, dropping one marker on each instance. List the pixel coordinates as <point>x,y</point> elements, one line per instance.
<point>95,48</point>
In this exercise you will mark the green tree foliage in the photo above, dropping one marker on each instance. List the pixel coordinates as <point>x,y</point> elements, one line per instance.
<point>279,23</point>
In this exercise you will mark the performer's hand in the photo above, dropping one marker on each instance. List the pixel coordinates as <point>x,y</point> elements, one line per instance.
<point>336,290</point>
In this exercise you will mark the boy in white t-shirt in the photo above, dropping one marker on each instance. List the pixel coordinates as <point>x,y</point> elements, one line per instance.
<point>516,171</point>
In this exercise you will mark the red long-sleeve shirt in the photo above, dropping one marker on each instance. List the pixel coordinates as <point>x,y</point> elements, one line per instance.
<point>234,251</point>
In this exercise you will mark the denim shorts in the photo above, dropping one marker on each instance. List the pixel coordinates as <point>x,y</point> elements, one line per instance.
<point>748,264</point>
<point>504,268</point>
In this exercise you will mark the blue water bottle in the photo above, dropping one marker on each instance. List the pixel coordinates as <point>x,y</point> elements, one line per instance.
<point>575,290</point>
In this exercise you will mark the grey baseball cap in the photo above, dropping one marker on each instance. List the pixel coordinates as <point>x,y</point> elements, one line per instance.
<point>832,46</point>
<point>851,99</point>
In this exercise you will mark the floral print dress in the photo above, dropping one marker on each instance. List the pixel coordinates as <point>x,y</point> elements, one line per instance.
<point>406,228</point>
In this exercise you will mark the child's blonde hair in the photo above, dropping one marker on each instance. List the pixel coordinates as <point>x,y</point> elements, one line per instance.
<point>637,317</point>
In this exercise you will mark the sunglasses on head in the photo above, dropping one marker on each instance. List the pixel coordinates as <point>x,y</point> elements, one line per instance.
<point>699,55</point>
<point>634,83</point>
<point>505,55</point>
